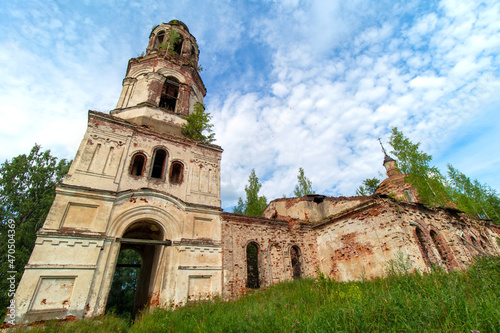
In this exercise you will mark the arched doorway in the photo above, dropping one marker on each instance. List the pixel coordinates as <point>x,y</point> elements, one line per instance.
<point>295,258</point>
<point>252,252</point>
<point>140,249</point>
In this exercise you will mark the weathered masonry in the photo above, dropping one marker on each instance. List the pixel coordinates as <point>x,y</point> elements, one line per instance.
<point>137,184</point>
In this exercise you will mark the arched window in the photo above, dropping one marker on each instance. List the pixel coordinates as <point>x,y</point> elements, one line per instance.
<point>159,162</point>
<point>176,172</point>
<point>159,39</point>
<point>169,93</point>
<point>253,265</point>
<point>423,245</point>
<point>295,258</point>
<point>178,45</point>
<point>138,164</point>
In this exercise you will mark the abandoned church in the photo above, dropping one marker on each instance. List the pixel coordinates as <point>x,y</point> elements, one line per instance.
<point>138,184</point>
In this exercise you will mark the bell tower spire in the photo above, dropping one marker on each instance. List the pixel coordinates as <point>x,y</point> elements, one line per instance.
<point>162,86</point>
<point>389,162</point>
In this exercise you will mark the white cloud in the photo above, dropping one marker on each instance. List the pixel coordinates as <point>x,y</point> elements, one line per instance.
<point>329,79</point>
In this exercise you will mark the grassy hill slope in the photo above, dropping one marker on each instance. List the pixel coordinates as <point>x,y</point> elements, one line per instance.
<point>438,302</point>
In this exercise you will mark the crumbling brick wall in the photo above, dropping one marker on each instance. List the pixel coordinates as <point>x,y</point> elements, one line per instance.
<point>356,243</point>
<point>360,242</point>
<point>275,239</point>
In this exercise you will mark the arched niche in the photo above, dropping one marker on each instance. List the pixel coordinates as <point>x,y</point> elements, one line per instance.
<point>252,263</point>
<point>295,261</point>
<point>423,245</point>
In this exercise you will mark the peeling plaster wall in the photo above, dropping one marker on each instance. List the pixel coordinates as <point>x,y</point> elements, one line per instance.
<point>104,159</point>
<point>360,243</point>
<point>306,209</point>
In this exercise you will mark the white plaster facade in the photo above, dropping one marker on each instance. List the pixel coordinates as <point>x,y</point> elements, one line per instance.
<point>174,207</point>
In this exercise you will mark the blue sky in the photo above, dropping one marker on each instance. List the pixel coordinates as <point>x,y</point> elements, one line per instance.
<point>290,83</point>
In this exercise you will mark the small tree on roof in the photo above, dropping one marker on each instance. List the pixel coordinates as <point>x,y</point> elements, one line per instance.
<point>198,123</point>
<point>304,186</point>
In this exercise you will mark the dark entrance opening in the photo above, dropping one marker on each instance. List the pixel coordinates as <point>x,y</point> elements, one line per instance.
<point>253,266</point>
<point>295,258</point>
<point>124,286</point>
<point>139,255</point>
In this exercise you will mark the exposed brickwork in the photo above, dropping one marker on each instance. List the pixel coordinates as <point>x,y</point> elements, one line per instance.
<point>356,242</point>
<point>275,239</point>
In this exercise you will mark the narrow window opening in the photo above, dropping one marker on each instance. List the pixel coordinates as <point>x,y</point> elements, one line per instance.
<point>137,165</point>
<point>159,39</point>
<point>295,258</point>
<point>169,94</point>
<point>176,172</point>
<point>178,45</point>
<point>161,36</point>
<point>253,266</point>
<point>158,167</point>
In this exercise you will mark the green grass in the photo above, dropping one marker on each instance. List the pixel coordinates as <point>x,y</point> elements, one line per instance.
<point>438,302</point>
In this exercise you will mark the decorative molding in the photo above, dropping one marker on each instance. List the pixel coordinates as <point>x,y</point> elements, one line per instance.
<point>118,143</point>
<point>60,266</point>
<point>204,161</point>
<point>203,268</point>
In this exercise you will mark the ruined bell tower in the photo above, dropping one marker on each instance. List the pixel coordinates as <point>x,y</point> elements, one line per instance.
<point>136,184</point>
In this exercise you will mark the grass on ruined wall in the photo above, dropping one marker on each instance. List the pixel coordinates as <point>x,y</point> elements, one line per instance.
<point>437,302</point>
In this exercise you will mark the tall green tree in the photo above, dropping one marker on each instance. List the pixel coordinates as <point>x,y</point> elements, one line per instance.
<point>304,186</point>
<point>435,189</point>
<point>198,126</point>
<point>253,205</point>
<point>368,187</point>
<point>413,162</point>
<point>472,196</point>
<point>27,189</point>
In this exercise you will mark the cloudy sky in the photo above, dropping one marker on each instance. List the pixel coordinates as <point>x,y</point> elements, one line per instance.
<point>291,83</point>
